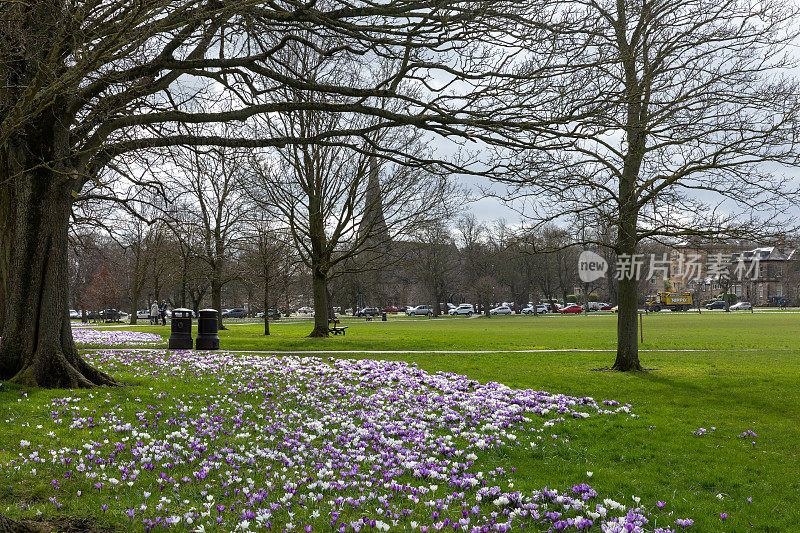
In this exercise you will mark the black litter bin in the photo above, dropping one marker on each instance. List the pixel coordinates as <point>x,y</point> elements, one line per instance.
<point>207,337</point>
<point>181,330</point>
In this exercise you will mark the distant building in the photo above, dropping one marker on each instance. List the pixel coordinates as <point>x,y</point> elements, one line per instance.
<point>757,275</point>
<point>764,272</point>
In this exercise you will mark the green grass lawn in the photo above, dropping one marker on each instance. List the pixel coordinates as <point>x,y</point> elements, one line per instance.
<point>746,380</point>
<point>670,331</point>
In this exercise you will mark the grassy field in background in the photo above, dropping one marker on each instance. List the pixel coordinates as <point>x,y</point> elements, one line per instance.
<point>748,380</point>
<point>670,331</point>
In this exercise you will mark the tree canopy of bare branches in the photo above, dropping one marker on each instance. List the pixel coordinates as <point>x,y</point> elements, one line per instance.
<point>88,82</point>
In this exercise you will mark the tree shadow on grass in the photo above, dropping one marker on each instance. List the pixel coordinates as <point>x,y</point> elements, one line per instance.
<point>727,396</point>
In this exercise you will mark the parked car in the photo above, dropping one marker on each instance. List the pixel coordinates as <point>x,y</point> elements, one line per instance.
<point>540,309</point>
<point>390,309</point>
<point>143,314</point>
<point>424,310</point>
<point>305,310</point>
<point>369,311</point>
<point>552,307</point>
<point>234,313</point>
<point>107,315</point>
<point>445,308</point>
<point>615,309</point>
<point>337,309</point>
<point>122,316</point>
<point>571,308</point>
<point>502,310</point>
<point>463,309</point>
<point>272,314</point>
<point>605,307</point>
<point>74,315</point>
<point>716,304</point>
<point>741,306</point>
<point>348,311</point>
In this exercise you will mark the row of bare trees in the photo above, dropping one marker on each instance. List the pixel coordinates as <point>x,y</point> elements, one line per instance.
<point>459,261</point>
<point>129,263</point>
<point>122,270</point>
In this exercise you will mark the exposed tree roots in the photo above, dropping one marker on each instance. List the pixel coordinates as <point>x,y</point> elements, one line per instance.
<point>55,370</point>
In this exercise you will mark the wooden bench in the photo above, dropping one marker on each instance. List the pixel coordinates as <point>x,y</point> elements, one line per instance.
<point>334,328</point>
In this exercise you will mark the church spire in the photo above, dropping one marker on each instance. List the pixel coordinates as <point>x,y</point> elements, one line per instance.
<point>373,223</point>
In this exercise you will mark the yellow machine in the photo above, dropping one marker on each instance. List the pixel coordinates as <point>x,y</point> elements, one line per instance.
<point>674,301</point>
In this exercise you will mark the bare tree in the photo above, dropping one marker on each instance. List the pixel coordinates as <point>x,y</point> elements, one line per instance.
<point>135,249</point>
<point>674,113</point>
<point>193,279</point>
<point>434,260</point>
<point>337,199</point>
<point>210,184</point>
<point>86,255</point>
<point>516,264</point>
<point>104,290</point>
<point>326,196</point>
<point>268,258</point>
<point>549,247</point>
<point>474,255</point>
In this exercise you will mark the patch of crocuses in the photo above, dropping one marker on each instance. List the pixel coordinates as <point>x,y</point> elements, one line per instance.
<point>304,443</point>
<point>108,337</point>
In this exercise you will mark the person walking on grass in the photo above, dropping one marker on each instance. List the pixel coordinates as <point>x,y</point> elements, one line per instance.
<point>154,313</point>
<point>163,312</point>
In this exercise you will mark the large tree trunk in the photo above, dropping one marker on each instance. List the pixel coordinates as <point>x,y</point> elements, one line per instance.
<point>320,255</point>
<point>10,526</point>
<point>136,295</point>
<point>134,307</point>
<point>320,291</point>
<point>197,299</point>
<point>627,327</point>
<point>216,279</point>
<point>183,286</point>
<point>627,290</point>
<point>216,297</point>
<point>5,251</point>
<point>628,286</point>
<point>37,347</point>
<point>266,303</point>
<point>331,314</point>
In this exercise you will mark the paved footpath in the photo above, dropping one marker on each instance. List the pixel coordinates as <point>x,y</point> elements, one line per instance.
<point>447,352</point>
